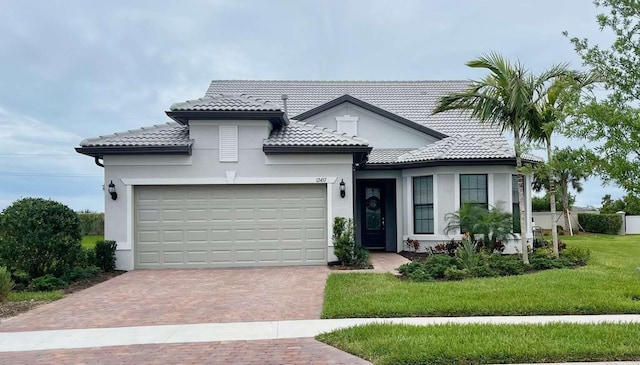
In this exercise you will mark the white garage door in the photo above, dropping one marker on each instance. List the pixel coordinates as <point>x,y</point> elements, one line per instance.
<point>230,225</point>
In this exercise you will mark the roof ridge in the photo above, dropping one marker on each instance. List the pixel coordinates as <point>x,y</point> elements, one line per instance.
<point>339,81</point>
<point>132,132</point>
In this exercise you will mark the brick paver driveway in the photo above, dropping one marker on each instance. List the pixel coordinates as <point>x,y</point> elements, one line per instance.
<point>153,297</point>
<point>294,351</point>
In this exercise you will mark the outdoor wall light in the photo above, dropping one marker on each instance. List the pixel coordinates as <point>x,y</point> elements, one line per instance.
<point>112,190</point>
<point>343,188</point>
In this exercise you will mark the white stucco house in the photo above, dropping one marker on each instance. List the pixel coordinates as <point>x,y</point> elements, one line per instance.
<point>253,173</point>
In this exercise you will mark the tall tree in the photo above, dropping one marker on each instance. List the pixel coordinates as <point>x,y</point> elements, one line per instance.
<point>571,167</point>
<point>550,113</point>
<point>614,121</point>
<point>506,98</point>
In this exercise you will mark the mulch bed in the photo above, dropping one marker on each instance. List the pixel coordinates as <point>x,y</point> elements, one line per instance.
<point>12,309</point>
<point>414,256</point>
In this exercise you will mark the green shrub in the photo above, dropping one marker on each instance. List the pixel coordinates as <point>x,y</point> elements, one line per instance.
<point>344,244</point>
<point>453,273</point>
<point>80,273</point>
<point>39,237</point>
<point>419,275</point>
<point>87,257</point>
<point>575,255</point>
<point>47,283</point>
<point>600,223</point>
<point>91,224</point>
<point>483,271</point>
<point>21,279</point>
<point>506,265</point>
<point>467,256</point>
<point>6,284</point>
<point>432,268</point>
<point>105,255</point>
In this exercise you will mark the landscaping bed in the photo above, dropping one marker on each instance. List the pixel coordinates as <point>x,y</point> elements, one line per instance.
<point>488,344</point>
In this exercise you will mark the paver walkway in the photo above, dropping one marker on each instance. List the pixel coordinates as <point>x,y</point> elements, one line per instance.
<point>291,351</point>
<point>154,297</point>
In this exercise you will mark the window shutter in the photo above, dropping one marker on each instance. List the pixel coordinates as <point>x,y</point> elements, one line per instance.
<point>228,143</point>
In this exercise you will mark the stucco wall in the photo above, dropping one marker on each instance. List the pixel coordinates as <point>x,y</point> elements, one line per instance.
<point>378,130</point>
<point>203,167</point>
<point>447,199</point>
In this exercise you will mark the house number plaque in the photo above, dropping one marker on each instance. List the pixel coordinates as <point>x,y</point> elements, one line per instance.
<point>321,179</point>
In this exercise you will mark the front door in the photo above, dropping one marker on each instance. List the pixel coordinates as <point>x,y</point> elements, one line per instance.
<point>373,227</point>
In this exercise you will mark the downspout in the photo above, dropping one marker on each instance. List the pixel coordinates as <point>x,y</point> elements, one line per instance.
<point>97,161</point>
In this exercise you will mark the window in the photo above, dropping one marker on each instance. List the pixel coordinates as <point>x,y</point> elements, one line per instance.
<point>473,190</point>
<point>515,202</point>
<point>423,204</point>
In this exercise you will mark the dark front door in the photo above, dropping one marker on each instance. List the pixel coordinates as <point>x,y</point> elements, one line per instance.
<point>373,227</point>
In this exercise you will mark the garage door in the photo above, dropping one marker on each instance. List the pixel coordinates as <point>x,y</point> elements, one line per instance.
<point>230,225</point>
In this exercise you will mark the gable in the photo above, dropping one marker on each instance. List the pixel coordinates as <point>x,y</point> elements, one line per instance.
<point>380,131</point>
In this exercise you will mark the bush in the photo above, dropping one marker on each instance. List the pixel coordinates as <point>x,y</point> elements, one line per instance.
<point>467,256</point>
<point>600,223</point>
<point>506,265</point>
<point>105,255</point>
<point>575,255</point>
<point>80,273</point>
<point>39,237</point>
<point>344,244</point>
<point>362,258</point>
<point>47,283</point>
<point>21,279</point>
<point>6,284</point>
<point>453,273</point>
<point>87,257</point>
<point>91,224</point>
<point>432,268</point>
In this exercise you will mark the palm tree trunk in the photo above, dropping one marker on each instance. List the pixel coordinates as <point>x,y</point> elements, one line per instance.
<point>521,202</point>
<point>552,200</point>
<point>565,205</point>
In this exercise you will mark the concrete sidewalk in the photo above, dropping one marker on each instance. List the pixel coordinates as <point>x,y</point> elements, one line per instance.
<point>245,331</point>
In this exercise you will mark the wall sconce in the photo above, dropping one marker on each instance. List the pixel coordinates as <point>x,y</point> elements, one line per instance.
<point>112,190</point>
<point>343,188</point>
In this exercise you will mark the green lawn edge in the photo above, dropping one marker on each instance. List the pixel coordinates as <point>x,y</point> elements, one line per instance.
<point>35,295</point>
<point>609,284</point>
<point>384,344</point>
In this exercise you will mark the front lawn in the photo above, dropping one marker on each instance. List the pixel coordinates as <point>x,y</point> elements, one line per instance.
<point>90,241</point>
<point>608,284</point>
<point>488,344</point>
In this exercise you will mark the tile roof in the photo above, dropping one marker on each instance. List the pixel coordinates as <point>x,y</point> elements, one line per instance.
<point>413,100</point>
<point>306,134</point>
<point>169,134</point>
<point>457,147</point>
<point>226,102</point>
<point>386,155</point>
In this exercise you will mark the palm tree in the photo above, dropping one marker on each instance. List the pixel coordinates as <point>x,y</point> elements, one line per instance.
<point>549,113</point>
<point>507,98</point>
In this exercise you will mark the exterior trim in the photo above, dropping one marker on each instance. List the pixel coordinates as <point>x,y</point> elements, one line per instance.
<point>315,149</point>
<point>237,181</point>
<point>277,118</point>
<point>99,152</point>
<point>372,108</point>
<point>434,163</point>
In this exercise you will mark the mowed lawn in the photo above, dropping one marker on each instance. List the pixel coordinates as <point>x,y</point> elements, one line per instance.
<point>488,344</point>
<point>608,284</point>
<point>90,241</point>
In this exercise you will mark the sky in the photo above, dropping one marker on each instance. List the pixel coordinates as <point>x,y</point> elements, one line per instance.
<point>77,69</point>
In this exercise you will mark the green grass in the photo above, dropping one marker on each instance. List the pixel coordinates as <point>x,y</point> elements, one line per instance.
<point>35,295</point>
<point>608,284</point>
<point>90,241</point>
<point>487,344</point>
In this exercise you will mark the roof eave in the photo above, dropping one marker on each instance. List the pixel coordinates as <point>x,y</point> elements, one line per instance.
<point>276,117</point>
<point>372,108</point>
<point>100,151</point>
<point>268,149</point>
<point>446,162</point>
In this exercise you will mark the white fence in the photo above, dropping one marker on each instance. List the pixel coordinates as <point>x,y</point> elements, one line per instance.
<point>632,224</point>
<point>543,219</point>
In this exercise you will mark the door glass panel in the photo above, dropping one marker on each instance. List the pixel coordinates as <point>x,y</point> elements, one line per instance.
<point>373,211</point>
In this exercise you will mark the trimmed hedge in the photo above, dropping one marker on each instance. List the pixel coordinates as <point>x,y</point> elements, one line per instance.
<point>91,224</point>
<point>600,223</point>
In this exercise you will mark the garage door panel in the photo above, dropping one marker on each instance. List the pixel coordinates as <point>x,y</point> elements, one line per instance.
<point>230,225</point>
